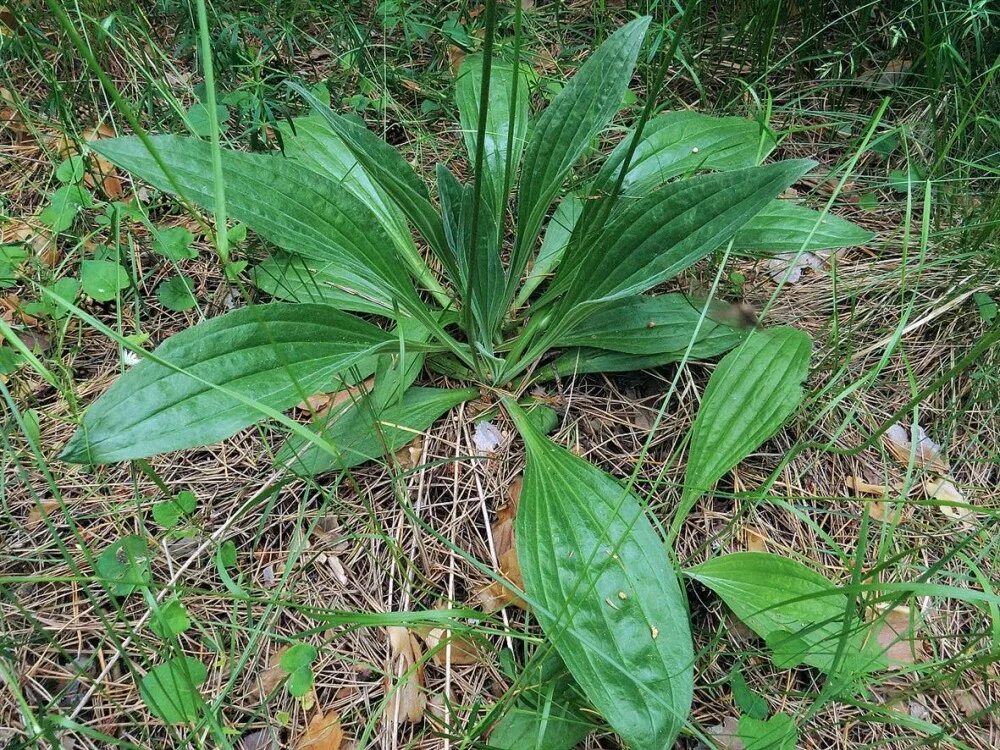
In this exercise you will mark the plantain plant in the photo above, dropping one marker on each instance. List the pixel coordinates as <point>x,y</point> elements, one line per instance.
<point>500,306</point>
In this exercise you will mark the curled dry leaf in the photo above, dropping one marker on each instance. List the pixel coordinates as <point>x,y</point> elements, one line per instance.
<point>463,650</point>
<point>862,487</point>
<point>756,542</point>
<point>406,693</point>
<point>101,170</point>
<point>896,635</point>
<point>42,510</point>
<point>726,735</point>
<point>274,675</point>
<point>408,457</point>
<point>261,739</point>
<point>788,267</point>
<point>323,733</point>
<point>496,595</point>
<point>323,403</point>
<point>879,509</point>
<point>927,454</point>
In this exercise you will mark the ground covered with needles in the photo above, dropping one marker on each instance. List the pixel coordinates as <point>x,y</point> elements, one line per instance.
<point>265,559</point>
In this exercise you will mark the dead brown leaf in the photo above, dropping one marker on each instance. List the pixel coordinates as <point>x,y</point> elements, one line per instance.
<point>969,703</point>
<point>408,457</point>
<point>943,489</point>
<point>463,650</point>
<point>261,739</point>
<point>496,595</point>
<point>864,488</point>
<point>456,56</point>
<point>274,675</point>
<point>938,484</point>
<point>726,735</point>
<point>43,510</point>
<point>323,733</point>
<point>897,637</point>
<point>756,542</point>
<point>407,699</point>
<point>927,452</point>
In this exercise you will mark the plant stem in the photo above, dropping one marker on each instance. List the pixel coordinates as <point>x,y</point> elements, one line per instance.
<point>221,230</point>
<point>477,188</point>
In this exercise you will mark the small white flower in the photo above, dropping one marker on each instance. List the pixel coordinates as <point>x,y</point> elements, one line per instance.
<point>130,358</point>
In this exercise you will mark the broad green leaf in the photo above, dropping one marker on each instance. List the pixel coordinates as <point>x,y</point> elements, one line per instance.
<point>554,243</point>
<point>124,566</point>
<point>480,264</point>
<point>755,388</point>
<point>359,435</point>
<point>200,123</point>
<point>169,512</point>
<point>678,143</point>
<point>65,203</point>
<point>396,372</point>
<point>583,361</point>
<point>554,725</point>
<point>776,733</point>
<point>566,129</point>
<point>391,172</point>
<point>746,700</point>
<point>177,293</point>
<point>297,279</point>
<point>313,143</point>
<point>548,713</point>
<point>297,661</point>
<point>604,592</point>
<point>300,681</point>
<point>656,237</point>
<point>783,226</point>
<point>174,243</point>
<point>103,279</point>
<point>217,377</point>
<point>285,203</point>
<point>503,115</point>
<point>781,600</point>
<point>654,326</point>
<point>71,170</point>
<point>170,619</point>
<point>170,690</point>
<point>298,656</point>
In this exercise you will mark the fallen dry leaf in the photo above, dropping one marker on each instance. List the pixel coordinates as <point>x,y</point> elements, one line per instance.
<point>864,488</point>
<point>261,739</point>
<point>40,511</point>
<point>878,509</point>
<point>456,56</point>
<point>942,488</point>
<point>897,637</point>
<point>323,403</point>
<point>496,595</point>
<point>726,735</point>
<point>406,694</point>
<point>927,455</point>
<point>408,457</point>
<point>463,650</point>
<point>323,733</point>
<point>756,542</point>
<point>788,267</point>
<point>969,703</point>
<point>927,452</point>
<point>274,675</point>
